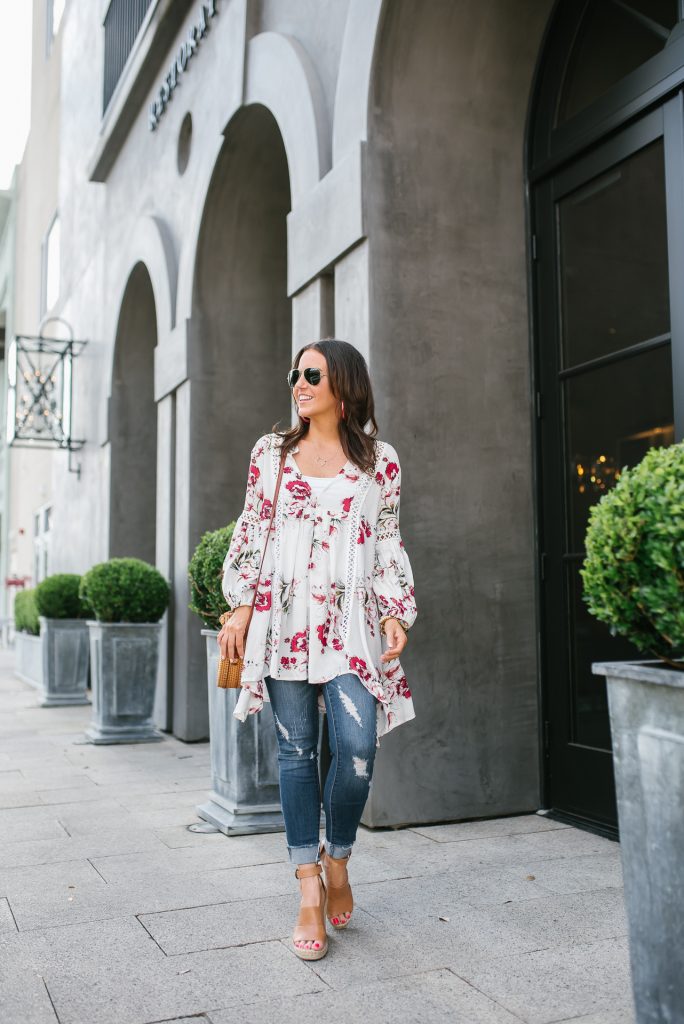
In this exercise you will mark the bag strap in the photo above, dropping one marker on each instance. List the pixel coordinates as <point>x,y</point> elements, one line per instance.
<point>270,524</point>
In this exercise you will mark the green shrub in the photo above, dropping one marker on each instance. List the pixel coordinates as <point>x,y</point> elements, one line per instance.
<point>633,573</point>
<point>57,598</point>
<point>26,612</point>
<point>125,590</point>
<point>204,573</point>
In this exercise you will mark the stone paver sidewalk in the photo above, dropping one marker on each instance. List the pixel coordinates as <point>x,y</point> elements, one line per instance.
<point>112,912</point>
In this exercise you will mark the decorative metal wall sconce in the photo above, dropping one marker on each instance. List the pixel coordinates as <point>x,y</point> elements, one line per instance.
<point>39,394</point>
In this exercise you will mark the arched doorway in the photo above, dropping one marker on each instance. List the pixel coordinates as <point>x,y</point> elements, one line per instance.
<point>242,324</point>
<point>133,424</point>
<point>239,350</point>
<point>605,167</point>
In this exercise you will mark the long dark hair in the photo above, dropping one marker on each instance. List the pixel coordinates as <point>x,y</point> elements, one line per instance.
<point>350,383</point>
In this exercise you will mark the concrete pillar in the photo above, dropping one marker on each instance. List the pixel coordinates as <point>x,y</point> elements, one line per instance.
<point>352,299</point>
<point>313,312</point>
<point>165,540</point>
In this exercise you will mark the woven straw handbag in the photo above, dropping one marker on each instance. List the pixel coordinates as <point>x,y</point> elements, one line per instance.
<point>230,675</point>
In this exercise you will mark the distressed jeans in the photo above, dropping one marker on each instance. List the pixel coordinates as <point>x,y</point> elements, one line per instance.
<point>351,712</point>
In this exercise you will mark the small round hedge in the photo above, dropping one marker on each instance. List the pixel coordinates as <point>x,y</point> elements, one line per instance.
<point>26,612</point>
<point>204,573</point>
<point>125,590</point>
<point>57,597</point>
<point>633,573</point>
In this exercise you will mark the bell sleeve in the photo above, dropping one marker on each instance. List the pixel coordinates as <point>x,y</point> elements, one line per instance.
<point>392,574</point>
<point>241,564</point>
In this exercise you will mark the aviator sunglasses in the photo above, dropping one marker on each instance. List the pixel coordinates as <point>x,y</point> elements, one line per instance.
<point>311,374</point>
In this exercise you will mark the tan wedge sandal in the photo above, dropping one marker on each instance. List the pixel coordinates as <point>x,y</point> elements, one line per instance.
<point>310,925</point>
<point>340,900</point>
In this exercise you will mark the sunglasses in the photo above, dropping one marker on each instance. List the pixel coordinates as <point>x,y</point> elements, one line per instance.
<point>312,375</point>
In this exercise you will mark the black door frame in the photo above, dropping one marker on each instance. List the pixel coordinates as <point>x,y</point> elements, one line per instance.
<point>647,104</point>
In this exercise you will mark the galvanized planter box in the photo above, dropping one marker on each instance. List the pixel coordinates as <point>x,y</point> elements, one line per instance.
<point>65,661</point>
<point>245,794</point>
<point>28,658</point>
<point>646,704</point>
<point>124,658</point>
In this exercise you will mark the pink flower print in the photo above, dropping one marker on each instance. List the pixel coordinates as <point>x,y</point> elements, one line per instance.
<point>392,470</point>
<point>299,489</point>
<point>346,503</point>
<point>379,478</point>
<point>287,469</point>
<point>364,531</point>
<point>325,545</point>
<point>254,474</point>
<point>337,643</point>
<point>322,631</point>
<point>298,642</point>
<point>263,601</point>
<point>266,507</point>
<point>360,666</point>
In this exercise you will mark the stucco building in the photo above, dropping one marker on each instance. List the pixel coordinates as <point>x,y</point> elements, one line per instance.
<point>486,199</point>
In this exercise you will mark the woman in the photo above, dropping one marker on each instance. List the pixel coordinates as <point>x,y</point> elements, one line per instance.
<point>335,578</point>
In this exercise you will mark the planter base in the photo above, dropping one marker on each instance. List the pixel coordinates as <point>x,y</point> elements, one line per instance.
<point>101,734</point>
<point>241,821</point>
<point>55,701</point>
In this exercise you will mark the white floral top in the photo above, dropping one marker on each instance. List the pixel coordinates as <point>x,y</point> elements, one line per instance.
<point>334,564</point>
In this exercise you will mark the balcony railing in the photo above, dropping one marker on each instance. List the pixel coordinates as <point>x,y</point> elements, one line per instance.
<point>121,27</point>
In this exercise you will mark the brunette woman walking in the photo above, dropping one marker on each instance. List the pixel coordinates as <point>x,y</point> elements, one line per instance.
<point>335,582</point>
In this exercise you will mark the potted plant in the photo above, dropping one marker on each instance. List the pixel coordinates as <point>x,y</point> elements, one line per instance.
<point>634,581</point>
<point>245,795</point>
<point>128,597</point>
<point>64,633</point>
<point>28,663</point>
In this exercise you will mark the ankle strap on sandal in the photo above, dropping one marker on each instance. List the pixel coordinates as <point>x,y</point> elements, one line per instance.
<point>307,870</point>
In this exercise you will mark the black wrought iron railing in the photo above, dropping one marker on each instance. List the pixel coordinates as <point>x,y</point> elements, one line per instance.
<point>121,27</point>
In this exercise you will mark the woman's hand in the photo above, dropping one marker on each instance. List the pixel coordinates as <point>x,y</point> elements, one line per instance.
<point>231,639</point>
<point>396,638</point>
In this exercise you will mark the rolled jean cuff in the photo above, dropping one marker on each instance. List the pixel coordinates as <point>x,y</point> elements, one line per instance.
<point>303,854</point>
<point>335,850</point>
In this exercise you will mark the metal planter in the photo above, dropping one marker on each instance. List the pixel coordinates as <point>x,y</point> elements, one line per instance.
<point>646,704</point>
<point>65,662</point>
<point>245,795</point>
<point>28,658</point>
<point>124,659</point>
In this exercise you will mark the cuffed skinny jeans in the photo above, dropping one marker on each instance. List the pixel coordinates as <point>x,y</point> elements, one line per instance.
<point>351,712</point>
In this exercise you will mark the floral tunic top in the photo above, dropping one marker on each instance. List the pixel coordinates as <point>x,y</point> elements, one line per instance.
<point>335,563</point>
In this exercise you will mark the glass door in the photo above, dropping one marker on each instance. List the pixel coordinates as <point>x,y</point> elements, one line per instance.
<point>606,396</point>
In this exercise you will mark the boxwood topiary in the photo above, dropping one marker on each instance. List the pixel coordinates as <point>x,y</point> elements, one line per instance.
<point>125,590</point>
<point>204,573</point>
<point>26,613</point>
<point>57,597</point>
<point>633,573</point>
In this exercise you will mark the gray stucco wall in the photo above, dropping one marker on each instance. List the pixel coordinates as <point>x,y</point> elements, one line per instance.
<point>449,358</point>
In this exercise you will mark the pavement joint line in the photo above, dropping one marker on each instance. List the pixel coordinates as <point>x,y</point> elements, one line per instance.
<point>95,869</point>
<point>143,925</point>
<point>9,907</point>
<point>52,1004</point>
<point>489,997</point>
